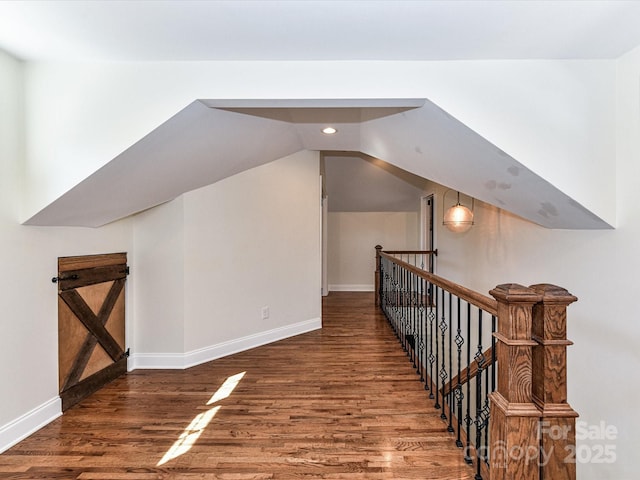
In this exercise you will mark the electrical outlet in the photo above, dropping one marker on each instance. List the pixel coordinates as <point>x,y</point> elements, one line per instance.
<point>265,313</point>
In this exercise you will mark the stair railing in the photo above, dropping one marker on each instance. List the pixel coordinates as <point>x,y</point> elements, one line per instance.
<point>495,367</point>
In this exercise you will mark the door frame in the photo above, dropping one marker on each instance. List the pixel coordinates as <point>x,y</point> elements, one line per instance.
<point>428,231</point>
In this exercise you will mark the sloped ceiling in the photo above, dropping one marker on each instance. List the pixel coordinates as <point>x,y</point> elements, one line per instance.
<point>358,183</point>
<point>210,140</point>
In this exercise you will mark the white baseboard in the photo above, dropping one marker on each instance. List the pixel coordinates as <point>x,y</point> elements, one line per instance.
<point>25,425</point>
<point>352,288</point>
<point>202,355</point>
<point>170,361</point>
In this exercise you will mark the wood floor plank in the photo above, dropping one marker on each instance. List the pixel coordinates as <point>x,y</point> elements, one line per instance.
<point>342,402</point>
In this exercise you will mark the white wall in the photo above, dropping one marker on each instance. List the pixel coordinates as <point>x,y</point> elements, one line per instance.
<point>352,237</point>
<point>208,262</point>
<point>29,323</point>
<point>253,240</point>
<point>599,267</point>
<point>556,117</point>
<point>158,266</point>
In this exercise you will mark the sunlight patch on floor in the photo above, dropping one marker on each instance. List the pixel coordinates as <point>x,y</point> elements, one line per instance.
<point>190,436</point>
<point>227,387</point>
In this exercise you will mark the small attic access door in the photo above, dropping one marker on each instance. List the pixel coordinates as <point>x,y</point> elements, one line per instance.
<point>91,324</point>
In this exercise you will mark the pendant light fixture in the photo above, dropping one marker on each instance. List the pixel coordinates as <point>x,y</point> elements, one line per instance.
<point>458,218</point>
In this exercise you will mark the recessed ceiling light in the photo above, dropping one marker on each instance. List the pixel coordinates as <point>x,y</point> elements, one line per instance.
<point>329,130</point>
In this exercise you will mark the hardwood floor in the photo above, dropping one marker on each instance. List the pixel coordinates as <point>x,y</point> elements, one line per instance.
<point>338,403</point>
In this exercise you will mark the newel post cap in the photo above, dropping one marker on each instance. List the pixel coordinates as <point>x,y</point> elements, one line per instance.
<point>552,294</point>
<point>515,293</point>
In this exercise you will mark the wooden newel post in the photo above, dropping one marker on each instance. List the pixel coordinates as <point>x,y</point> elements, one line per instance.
<point>558,420</point>
<point>514,445</point>
<point>377,276</point>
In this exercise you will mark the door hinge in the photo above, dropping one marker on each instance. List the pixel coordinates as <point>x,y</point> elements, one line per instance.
<point>127,353</point>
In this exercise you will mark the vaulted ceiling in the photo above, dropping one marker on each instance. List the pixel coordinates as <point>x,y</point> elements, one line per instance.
<point>211,139</point>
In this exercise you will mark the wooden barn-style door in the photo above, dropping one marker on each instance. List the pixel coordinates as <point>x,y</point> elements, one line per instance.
<point>91,323</point>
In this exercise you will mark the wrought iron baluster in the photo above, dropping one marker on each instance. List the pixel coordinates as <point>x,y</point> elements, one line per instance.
<point>493,353</point>
<point>387,286</point>
<point>485,413</point>
<point>404,311</point>
<point>416,312</point>
<point>416,323</point>
<point>413,312</point>
<point>398,305</point>
<point>433,314</point>
<point>387,290</point>
<point>383,285</point>
<point>458,389</point>
<point>394,314</point>
<point>443,368</point>
<point>389,294</point>
<point>437,343</point>
<point>450,393</point>
<point>398,299</point>
<point>428,333</point>
<point>480,414</point>
<point>421,330</point>
<point>493,388</point>
<point>467,419</point>
<point>390,297</point>
<point>407,312</point>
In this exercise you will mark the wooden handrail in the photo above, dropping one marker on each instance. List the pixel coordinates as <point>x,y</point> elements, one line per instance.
<point>412,252</point>
<point>472,370</point>
<point>484,302</point>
